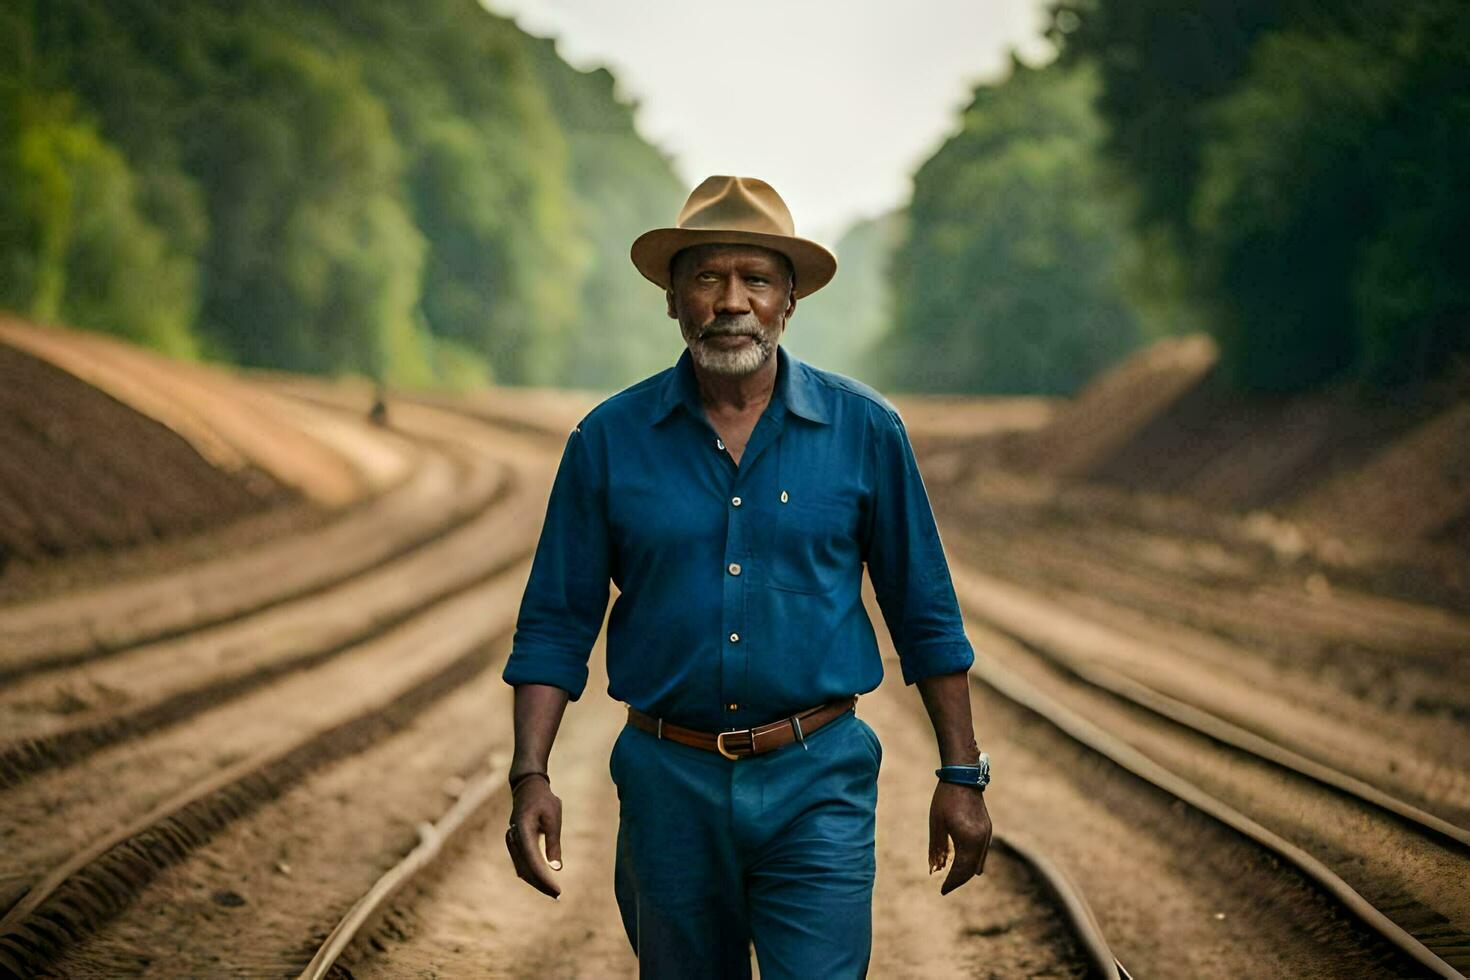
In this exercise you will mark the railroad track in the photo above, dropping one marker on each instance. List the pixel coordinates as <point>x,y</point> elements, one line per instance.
<point>1426,938</point>
<point>441,618</point>
<point>488,789</point>
<point>1069,898</point>
<point>1081,919</point>
<point>1165,578</point>
<point>67,631</point>
<point>100,882</point>
<point>169,681</point>
<point>1374,710</point>
<point>1072,645</point>
<point>486,793</point>
<point>406,741</point>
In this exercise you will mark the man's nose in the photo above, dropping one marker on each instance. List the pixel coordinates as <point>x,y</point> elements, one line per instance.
<point>732,297</point>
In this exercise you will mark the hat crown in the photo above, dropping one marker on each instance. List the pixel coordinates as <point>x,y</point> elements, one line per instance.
<point>734,211</point>
<point>737,204</point>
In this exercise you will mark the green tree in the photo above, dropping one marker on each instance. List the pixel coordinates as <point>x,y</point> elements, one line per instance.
<point>316,260</point>
<point>1283,205</point>
<point>623,186</point>
<point>1009,281</point>
<point>74,241</point>
<point>838,327</point>
<point>415,192</point>
<point>1303,161</point>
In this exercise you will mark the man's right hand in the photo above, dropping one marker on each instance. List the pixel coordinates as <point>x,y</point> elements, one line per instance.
<point>535,810</point>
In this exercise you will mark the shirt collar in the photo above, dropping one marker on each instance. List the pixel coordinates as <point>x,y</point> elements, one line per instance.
<point>795,389</point>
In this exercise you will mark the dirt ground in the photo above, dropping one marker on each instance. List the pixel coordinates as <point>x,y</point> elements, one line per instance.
<point>1384,465</point>
<point>83,473</point>
<point>473,917</point>
<point>382,695</point>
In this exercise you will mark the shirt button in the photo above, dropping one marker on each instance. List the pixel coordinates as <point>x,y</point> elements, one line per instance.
<point>784,497</point>
<point>735,501</point>
<point>732,706</point>
<point>734,637</point>
<point>734,568</point>
<point>719,444</point>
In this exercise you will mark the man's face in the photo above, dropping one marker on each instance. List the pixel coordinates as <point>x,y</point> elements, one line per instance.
<point>732,303</point>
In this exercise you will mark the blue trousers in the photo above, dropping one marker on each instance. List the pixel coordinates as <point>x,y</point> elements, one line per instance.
<point>775,849</point>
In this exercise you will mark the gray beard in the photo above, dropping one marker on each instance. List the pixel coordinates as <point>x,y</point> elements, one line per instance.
<point>740,361</point>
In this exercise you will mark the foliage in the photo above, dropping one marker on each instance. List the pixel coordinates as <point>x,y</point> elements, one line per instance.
<point>405,191</point>
<point>1307,159</point>
<point>624,186</point>
<point>838,327</point>
<point>75,243</point>
<point>1009,278</point>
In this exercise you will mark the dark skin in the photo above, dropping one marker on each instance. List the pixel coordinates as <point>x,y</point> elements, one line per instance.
<point>713,285</point>
<point>715,281</point>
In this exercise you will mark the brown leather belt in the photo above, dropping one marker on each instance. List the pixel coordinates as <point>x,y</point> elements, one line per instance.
<point>744,742</point>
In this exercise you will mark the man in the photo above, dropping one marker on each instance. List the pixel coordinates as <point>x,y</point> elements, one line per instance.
<point>734,498</point>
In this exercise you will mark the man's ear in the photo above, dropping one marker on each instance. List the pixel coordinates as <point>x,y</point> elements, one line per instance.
<point>669,299</point>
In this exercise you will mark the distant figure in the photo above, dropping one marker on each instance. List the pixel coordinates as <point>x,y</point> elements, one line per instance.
<point>378,414</point>
<point>734,498</point>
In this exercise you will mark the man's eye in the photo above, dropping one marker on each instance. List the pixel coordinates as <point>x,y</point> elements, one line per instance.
<point>759,280</point>
<point>707,277</point>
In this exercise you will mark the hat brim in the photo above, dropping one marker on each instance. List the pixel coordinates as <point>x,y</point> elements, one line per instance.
<point>654,250</point>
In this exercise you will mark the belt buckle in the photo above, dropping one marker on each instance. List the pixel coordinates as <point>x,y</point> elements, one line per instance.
<point>720,742</point>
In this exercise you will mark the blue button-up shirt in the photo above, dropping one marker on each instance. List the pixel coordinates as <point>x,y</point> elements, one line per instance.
<point>739,585</point>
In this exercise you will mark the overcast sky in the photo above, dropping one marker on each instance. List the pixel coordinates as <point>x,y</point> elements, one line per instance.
<point>835,102</point>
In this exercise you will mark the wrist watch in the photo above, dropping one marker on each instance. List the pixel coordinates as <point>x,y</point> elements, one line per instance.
<point>977,775</point>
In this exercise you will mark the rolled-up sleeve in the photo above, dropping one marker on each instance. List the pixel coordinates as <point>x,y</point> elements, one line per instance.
<point>906,560</point>
<point>567,592</point>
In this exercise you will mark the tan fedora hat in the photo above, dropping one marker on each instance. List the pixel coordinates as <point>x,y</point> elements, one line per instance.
<point>735,210</point>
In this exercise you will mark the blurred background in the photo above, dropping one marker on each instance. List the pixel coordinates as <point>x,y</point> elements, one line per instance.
<point>299,300</point>
<point>432,195</point>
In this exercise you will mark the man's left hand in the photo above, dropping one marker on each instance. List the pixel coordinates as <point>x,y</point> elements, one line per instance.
<point>958,812</point>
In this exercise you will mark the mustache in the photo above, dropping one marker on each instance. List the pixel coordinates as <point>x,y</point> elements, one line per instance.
<point>732,326</point>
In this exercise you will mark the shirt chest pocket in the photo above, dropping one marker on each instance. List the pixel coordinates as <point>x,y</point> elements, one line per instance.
<point>811,542</point>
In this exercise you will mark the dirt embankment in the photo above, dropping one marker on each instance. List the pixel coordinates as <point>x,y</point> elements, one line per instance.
<point>1382,474</point>
<point>82,473</point>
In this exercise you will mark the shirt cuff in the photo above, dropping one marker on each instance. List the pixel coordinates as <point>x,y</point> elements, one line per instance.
<point>936,657</point>
<point>558,668</point>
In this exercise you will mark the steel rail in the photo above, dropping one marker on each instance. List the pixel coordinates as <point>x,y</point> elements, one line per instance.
<point>27,756</point>
<point>1224,731</point>
<point>152,595</point>
<point>1017,689</point>
<point>432,840</point>
<point>105,875</point>
<point>1068,895</point>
